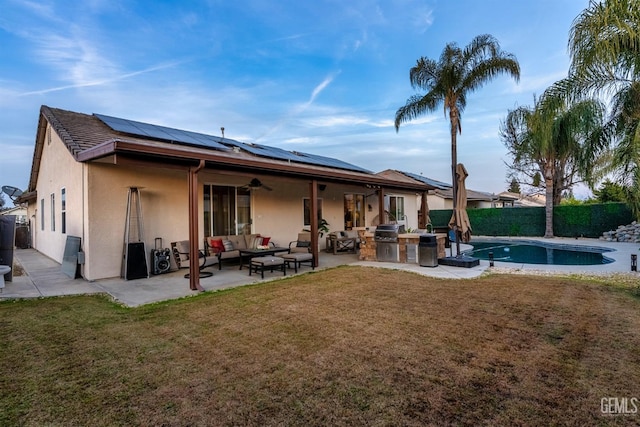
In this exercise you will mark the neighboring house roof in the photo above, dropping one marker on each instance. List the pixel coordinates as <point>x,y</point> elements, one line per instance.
<point>434,183</point>
<point>17,210</point>
<point>471,195</point>
<point>533,200</point>
<point>440,188</point>
<point>508,196</point>
<point>97,137</point>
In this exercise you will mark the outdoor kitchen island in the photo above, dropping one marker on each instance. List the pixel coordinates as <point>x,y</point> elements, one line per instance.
<point>407,246</point>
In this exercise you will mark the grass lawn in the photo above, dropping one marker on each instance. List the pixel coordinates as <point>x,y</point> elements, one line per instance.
<point>346,346</point>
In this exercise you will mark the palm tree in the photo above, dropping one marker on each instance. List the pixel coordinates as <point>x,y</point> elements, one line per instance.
<point>604,43</point>
<point>448,81</point>
<point>624,124</point>
<point>557,138</point>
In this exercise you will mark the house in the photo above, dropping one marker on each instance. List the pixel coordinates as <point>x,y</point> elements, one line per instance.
<point>20,213</point>
<point>190,186</point>
<point>441,194</point>
<point>509,199</point>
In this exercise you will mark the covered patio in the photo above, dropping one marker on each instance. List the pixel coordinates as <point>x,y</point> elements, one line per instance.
<point>43,277</point>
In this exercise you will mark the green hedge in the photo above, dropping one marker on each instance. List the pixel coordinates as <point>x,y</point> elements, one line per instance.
<point>568,221</point>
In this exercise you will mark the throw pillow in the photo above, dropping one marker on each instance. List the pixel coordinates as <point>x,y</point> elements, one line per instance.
<point>217,245</point>
<point>228,245</point>
<point>255,242</point>
<point>265,241</point>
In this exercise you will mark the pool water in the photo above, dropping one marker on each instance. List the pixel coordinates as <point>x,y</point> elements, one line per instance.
<point>538,253</point>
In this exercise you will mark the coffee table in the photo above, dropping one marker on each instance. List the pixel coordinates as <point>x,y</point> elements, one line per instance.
<point>252,253</point>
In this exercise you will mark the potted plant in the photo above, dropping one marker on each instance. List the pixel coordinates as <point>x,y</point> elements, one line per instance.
<point>323,227</point>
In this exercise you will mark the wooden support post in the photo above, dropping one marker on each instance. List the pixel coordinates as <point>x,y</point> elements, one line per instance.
<point>194,261</point>
<point>313,190</point>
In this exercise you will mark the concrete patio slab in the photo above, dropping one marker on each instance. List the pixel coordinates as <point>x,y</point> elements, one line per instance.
<point>44,276</point>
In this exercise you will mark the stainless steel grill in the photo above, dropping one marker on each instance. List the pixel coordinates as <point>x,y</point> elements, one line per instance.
<point>386,238</point>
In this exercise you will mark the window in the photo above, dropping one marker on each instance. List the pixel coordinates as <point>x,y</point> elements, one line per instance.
<point>63,207</point>
<point>396,208</point>
<point>353,211</point>
<point>42,214</point>
<point>53,212</point>
<point>306,202</point>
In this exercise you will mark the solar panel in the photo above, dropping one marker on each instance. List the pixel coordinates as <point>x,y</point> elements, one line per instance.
<point>164,133</point>
<point>432,182</point>
<point>329,161</point>
<point>159,132</point>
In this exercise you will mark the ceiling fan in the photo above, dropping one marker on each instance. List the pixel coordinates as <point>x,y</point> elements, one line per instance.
<point>256,184</point>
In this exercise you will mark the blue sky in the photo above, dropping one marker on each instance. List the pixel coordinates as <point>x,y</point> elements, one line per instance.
<point>324,77</point>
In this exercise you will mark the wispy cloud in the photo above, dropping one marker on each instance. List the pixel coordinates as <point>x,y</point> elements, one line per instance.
<point>101,81</point>
<point>38,8</point>
<point>423,19</point>
<point>322,86</point>
<point>287,38</point>
<point>302,107</point>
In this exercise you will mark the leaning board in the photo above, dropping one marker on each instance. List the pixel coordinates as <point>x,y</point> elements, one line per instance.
<point>70,257</point>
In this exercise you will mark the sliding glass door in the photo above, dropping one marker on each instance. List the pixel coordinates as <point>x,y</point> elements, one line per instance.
<point>227,210</point>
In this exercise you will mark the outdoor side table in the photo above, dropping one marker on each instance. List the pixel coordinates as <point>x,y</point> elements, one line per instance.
<point>267,263</point>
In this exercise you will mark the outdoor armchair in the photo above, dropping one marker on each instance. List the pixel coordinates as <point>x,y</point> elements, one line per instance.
<point>299,252</point>
<point>181,256</point>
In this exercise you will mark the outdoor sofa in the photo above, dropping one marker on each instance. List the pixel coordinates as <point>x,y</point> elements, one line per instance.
<point>227,248</point>
<point>346,241</point>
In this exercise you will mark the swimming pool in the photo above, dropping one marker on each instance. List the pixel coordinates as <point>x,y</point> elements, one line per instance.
<point>535,252</point>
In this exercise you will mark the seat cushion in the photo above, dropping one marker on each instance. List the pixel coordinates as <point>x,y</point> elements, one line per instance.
<point>210,260</point>
<point>267,260</point>
<point>298,256</point>
<point>229,254</point>
<point>183,248</point>
<point>238,242</point>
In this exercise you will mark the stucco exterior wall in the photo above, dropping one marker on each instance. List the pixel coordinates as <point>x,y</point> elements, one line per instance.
<point>437,202</point>
<point>164,206</point>
<point>281,212</point>
<point>58,170</point>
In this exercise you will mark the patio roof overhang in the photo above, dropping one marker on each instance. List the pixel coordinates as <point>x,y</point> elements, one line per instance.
<point>122,151</point>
